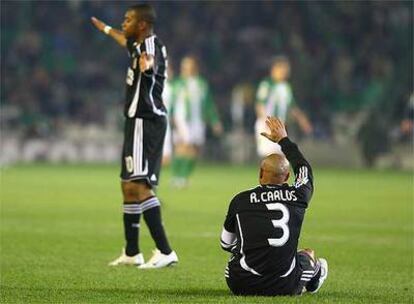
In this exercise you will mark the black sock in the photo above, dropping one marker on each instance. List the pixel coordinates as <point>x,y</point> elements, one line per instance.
<point>132,214</point>
<point>152,215</point>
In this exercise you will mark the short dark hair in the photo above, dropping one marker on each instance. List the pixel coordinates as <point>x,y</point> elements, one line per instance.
<point>145,11</point>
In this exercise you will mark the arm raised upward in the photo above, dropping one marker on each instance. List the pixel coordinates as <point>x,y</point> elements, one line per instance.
<point>117,35</point>
<point>301,167</point>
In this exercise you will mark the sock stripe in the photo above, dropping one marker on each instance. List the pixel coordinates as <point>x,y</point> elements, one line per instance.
<point>150,206</point>
<point>150,203</point>
<point>132,209</point>
<point>148,200</point>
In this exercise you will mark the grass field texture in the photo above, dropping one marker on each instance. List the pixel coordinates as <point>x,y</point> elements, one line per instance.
<point>61,225</point>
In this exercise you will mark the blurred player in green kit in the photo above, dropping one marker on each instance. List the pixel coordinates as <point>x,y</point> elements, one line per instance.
<point>168,96</point>
<point>274,97</point>
<point>193,109</point>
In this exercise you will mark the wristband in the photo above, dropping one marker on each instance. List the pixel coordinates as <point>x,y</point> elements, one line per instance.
<point>106,29</point>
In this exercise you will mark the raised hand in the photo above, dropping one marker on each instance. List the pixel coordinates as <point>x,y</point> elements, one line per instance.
<point>98,23</point>
<point>277,129</point>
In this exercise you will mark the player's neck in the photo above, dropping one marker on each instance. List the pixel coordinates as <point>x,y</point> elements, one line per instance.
<point>272,184</point>
<point>272,181</point>
<point>142,36</point>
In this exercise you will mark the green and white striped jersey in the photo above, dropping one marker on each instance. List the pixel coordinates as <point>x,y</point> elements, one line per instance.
<point>193,102</point>
<point>277,97</point>
<point>168,94</point>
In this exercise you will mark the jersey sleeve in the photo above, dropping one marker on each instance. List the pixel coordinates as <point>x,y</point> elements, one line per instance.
<point>262,92</point>
<point>228,237</point>
<point>302,169</point>
<point>149,47</point>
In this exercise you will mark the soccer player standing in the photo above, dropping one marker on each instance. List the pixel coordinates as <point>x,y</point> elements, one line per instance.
<point>193,108</point>
<point>263,225</point>
<point>274,97</point>
<point>144,132</point>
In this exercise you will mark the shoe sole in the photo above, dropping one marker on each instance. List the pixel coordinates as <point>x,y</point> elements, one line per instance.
<point>124,264</point>
<point>171,264</point>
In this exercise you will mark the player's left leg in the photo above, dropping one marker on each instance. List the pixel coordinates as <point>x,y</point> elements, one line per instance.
<point>151,208</point>
<point>314,271</point>
<point>153,138</point>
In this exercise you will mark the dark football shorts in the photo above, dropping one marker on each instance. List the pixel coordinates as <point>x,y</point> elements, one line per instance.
<point>269,285</point>
<point>142,149</point>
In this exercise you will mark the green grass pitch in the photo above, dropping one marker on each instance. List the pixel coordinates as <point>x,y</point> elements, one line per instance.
<point>61,225</point>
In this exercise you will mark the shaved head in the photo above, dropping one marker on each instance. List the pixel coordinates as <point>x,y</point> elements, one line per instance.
<point>274,169</point>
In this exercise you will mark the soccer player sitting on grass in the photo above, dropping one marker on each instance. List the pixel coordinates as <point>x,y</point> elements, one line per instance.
<point>263,224</point>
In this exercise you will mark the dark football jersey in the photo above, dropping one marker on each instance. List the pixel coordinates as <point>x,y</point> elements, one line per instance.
<point>263,225</point>
<point>144,90</point>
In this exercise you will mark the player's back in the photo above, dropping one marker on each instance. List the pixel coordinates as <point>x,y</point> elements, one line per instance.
<point>269,221</point>
<point>262,229</point>
<point>268,224</point>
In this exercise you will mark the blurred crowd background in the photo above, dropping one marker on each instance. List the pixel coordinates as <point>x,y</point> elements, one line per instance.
<point>62,82</point>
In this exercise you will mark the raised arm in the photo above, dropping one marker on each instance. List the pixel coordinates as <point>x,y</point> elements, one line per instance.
<point>117,35</point>
<point>301,167</point>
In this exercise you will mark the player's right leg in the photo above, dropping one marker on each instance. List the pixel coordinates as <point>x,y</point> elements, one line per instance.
<point>132,211</point>
<point>314,270</point>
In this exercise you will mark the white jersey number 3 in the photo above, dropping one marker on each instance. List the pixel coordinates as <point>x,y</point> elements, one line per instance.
<point>281,223</point>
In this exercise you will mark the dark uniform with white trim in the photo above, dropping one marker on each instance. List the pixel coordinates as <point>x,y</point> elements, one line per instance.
<point>262,229</point>
<point>145,113</point>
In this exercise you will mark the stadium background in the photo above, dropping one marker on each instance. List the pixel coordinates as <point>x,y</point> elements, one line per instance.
<point>62,86</point>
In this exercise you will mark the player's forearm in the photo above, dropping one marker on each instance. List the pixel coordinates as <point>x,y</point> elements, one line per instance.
<point>118,36</point>
<point>293,154</point>
<point>227,240</point>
